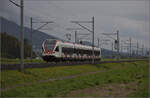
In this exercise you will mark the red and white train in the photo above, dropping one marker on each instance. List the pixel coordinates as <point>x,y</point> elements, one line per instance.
<point>56,50</point>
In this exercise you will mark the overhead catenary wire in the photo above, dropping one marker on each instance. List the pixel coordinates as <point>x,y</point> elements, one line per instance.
<point>54,5</point>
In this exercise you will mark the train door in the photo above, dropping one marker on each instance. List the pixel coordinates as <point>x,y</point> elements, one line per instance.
<point>60,51</point>
<point>57,51</point>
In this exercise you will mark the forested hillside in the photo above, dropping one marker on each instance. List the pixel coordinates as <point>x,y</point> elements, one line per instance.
<point>10,47</point>
<point>13,29</point>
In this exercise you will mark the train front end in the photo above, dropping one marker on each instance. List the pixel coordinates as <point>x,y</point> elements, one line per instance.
<point>48,47</point>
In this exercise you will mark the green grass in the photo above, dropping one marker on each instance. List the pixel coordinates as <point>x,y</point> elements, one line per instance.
<point>105,59</point>
<point>17,61</point>
<point>113,73</point>
<point>143,89</point>
<point>11,77</point>
<point>108,59</point>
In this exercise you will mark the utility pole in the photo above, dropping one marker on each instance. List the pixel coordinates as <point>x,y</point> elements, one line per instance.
<point>32,31</point>
<point>75,31</point>
<point>116,41</point>
<point>112,49</point>
<point>31,37</point>
<point>145,54</point>
<point>130,46</point>
<point>92,31</point>
<point>137,48</point>
<point>121,49</point>
<point>97,42</point>
<point>142,50</point>
<point>21,6</point>
<point>75,35</point>
<point>131,50</point>
<point>22,35</point>
<point>93,39</point>
<point>118,45</point>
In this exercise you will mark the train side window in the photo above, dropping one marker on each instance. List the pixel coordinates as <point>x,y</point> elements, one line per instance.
<point>63,49</point>
<point>74,51</point>
<point>57,49</point>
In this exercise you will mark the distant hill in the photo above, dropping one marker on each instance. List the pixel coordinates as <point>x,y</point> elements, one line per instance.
<point>13,29</point>
<point>10,47</point>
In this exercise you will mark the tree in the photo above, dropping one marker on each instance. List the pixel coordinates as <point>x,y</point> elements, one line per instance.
<point>10,47</point>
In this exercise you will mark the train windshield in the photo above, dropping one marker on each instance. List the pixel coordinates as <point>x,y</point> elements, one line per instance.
<point>49,44</point>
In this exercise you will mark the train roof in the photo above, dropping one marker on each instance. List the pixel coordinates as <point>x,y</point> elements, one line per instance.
<point>75,45</point>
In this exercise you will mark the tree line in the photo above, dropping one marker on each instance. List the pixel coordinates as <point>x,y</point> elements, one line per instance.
<point>10,47</point>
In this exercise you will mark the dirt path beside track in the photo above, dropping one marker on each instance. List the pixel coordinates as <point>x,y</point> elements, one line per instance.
<point>107,90</point>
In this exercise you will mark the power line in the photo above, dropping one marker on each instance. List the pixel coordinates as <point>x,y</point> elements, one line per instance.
<point>75,31</point>
<point>31,29</point>
<point>92,31</point>
<point>130,45</point>
<point>117,41</point>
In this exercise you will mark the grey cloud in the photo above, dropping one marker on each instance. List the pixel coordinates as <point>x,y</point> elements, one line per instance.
<point>130,17</point>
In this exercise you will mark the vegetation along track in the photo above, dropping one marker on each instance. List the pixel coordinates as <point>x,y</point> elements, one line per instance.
<point>52,64</point>
<point>116,79</point>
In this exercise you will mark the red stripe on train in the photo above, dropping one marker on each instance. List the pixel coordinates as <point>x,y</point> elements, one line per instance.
<point>49,51</point>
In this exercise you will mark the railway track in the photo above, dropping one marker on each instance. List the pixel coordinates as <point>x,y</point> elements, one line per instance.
<point>53,64</point>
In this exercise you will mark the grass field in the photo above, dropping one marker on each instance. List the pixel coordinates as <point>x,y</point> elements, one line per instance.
<point>90,80</point>
<point>17,61</point>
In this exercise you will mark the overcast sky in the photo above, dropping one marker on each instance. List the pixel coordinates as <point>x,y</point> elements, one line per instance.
<point>130,17</point>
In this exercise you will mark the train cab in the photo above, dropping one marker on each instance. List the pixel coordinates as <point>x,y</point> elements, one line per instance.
<point>49,47</point>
